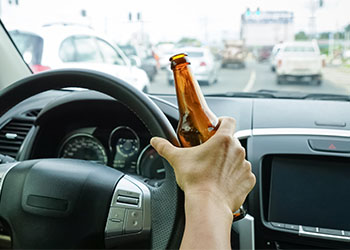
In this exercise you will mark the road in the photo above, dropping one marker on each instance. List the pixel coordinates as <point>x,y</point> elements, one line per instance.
<point>256,76</point>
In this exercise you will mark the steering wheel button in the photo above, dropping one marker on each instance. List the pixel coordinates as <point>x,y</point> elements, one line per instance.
<point>127,200</point>
<point>117,213</point>
<point>115,220</point>
<point>133,221</point>
<point>114,228</point>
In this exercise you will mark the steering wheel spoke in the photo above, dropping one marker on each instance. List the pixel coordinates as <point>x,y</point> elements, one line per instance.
<point>4,169</point>
<point>129,213</point>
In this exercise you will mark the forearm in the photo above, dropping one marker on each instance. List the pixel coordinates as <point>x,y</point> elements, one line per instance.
<point>208,223</point>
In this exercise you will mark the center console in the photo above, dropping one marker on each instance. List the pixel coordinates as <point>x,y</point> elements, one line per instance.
<point>301,199</point>
<point>308,195</point>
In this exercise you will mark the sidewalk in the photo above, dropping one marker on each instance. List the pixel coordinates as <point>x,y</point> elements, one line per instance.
<point>339,76</point>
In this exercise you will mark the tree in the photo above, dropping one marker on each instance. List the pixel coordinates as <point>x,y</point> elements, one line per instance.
<point>301,36</point>
<point>347,28</point>
<point>339,35</point>
<point>325,35</point>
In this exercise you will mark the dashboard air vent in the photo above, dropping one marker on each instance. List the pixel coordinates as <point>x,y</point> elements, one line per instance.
<point>32,113</point>
<point>12,136</point>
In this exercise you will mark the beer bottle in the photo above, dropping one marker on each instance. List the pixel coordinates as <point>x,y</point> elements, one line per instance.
<point>196,122</point>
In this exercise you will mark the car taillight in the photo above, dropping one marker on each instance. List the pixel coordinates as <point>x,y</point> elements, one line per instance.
<point>279,63</point>
<point>36,68</point>
<point>202,64</point>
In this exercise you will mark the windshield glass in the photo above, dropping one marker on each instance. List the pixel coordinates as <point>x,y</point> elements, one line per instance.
<point>233,46</point>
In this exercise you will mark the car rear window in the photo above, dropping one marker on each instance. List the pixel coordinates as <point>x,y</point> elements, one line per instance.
<point>299,49</point>
<point>67,50</point>
<point>87,50</point>
<point>30,46</point>
<point>195,54</point>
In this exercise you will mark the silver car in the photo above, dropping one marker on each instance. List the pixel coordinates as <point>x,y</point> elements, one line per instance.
<point>204,66</point>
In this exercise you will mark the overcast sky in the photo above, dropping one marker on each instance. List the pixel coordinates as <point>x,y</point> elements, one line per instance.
<point>171,20</point>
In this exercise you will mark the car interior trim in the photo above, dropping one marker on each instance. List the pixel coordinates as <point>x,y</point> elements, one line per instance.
<point>323,236</point>
<point>301,131</point>
<point>242,134</point>
<point>245,229</point>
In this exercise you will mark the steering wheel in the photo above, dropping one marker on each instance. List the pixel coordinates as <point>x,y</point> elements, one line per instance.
<point>63,203</point>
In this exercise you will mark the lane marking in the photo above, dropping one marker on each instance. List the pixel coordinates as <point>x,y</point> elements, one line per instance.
<point>251,82</point>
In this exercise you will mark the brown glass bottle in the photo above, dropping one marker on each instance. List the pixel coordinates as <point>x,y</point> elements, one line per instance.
<point>196,122</point>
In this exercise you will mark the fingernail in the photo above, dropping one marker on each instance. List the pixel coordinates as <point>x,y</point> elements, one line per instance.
<point>153,139</point>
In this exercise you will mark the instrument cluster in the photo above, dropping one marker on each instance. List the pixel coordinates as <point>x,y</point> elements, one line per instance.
<point>121,148</point>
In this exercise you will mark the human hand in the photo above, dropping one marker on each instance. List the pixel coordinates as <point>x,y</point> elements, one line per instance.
<point>216,169</point>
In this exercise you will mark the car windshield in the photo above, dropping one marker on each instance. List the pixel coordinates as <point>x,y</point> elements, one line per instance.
<point>238,46</point>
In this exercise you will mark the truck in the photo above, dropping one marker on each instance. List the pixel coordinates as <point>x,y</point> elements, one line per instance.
<point>233,53</point>
<point>299,62</point>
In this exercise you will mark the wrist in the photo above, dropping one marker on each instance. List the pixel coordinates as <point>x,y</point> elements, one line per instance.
<point>209,203</point>
<point>209,219</point>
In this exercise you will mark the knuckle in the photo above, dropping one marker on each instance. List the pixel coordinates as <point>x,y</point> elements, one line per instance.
<point>240,151</point>
<point>252,179</point>
<point>249,166</point>
<point>225,139</point>
<point>231,120</point>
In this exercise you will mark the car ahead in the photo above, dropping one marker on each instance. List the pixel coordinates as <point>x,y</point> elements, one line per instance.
<point>164,52</point>
<point>273,56</point>
<point>264,54</point>
<point>68,46</point>
<point>299,62</point>
<point>233,53</point>
<point>204,66</point>
<point>142,58</point>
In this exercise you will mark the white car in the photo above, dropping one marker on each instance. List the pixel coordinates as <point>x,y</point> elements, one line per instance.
<point>299,62</point>
<point>165,51</point>
<point>204,66</point>
<point>68,46</point>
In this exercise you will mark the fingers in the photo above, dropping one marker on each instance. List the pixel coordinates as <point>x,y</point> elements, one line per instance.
<point>227,126</point>
<point>163,147</point>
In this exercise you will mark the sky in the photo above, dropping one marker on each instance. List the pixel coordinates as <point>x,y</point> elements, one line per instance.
<point>170,20</point>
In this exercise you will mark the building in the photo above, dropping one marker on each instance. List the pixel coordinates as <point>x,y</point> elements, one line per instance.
<point>265,29</point>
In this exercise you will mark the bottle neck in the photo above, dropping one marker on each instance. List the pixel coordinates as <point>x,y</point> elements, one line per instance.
<point>189,96</point>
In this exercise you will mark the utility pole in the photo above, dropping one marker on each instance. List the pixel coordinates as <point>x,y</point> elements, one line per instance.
<point>312,21</point>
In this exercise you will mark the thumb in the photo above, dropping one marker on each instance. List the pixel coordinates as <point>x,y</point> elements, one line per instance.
<point>163,147</point>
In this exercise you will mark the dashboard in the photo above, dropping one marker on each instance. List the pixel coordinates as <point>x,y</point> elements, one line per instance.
<point>81,125</point>
<point>299,150</point>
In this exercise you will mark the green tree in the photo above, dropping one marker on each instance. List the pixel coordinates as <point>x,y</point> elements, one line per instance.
<point>347,28</point>
<point>301,36</point>
<point>339,35</point>
<point>324,35</point>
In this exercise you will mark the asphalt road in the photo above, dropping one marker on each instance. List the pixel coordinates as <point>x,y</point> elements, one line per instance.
<point>256,76</point>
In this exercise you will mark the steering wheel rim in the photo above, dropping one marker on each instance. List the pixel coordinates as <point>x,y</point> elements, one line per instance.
<point>165,199</point>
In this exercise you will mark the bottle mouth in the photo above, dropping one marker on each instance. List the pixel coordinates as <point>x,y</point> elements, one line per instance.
<point>177,56</point>
<point>178,59</point>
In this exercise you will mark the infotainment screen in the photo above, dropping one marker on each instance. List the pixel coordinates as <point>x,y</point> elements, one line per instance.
<point>310,191</point>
